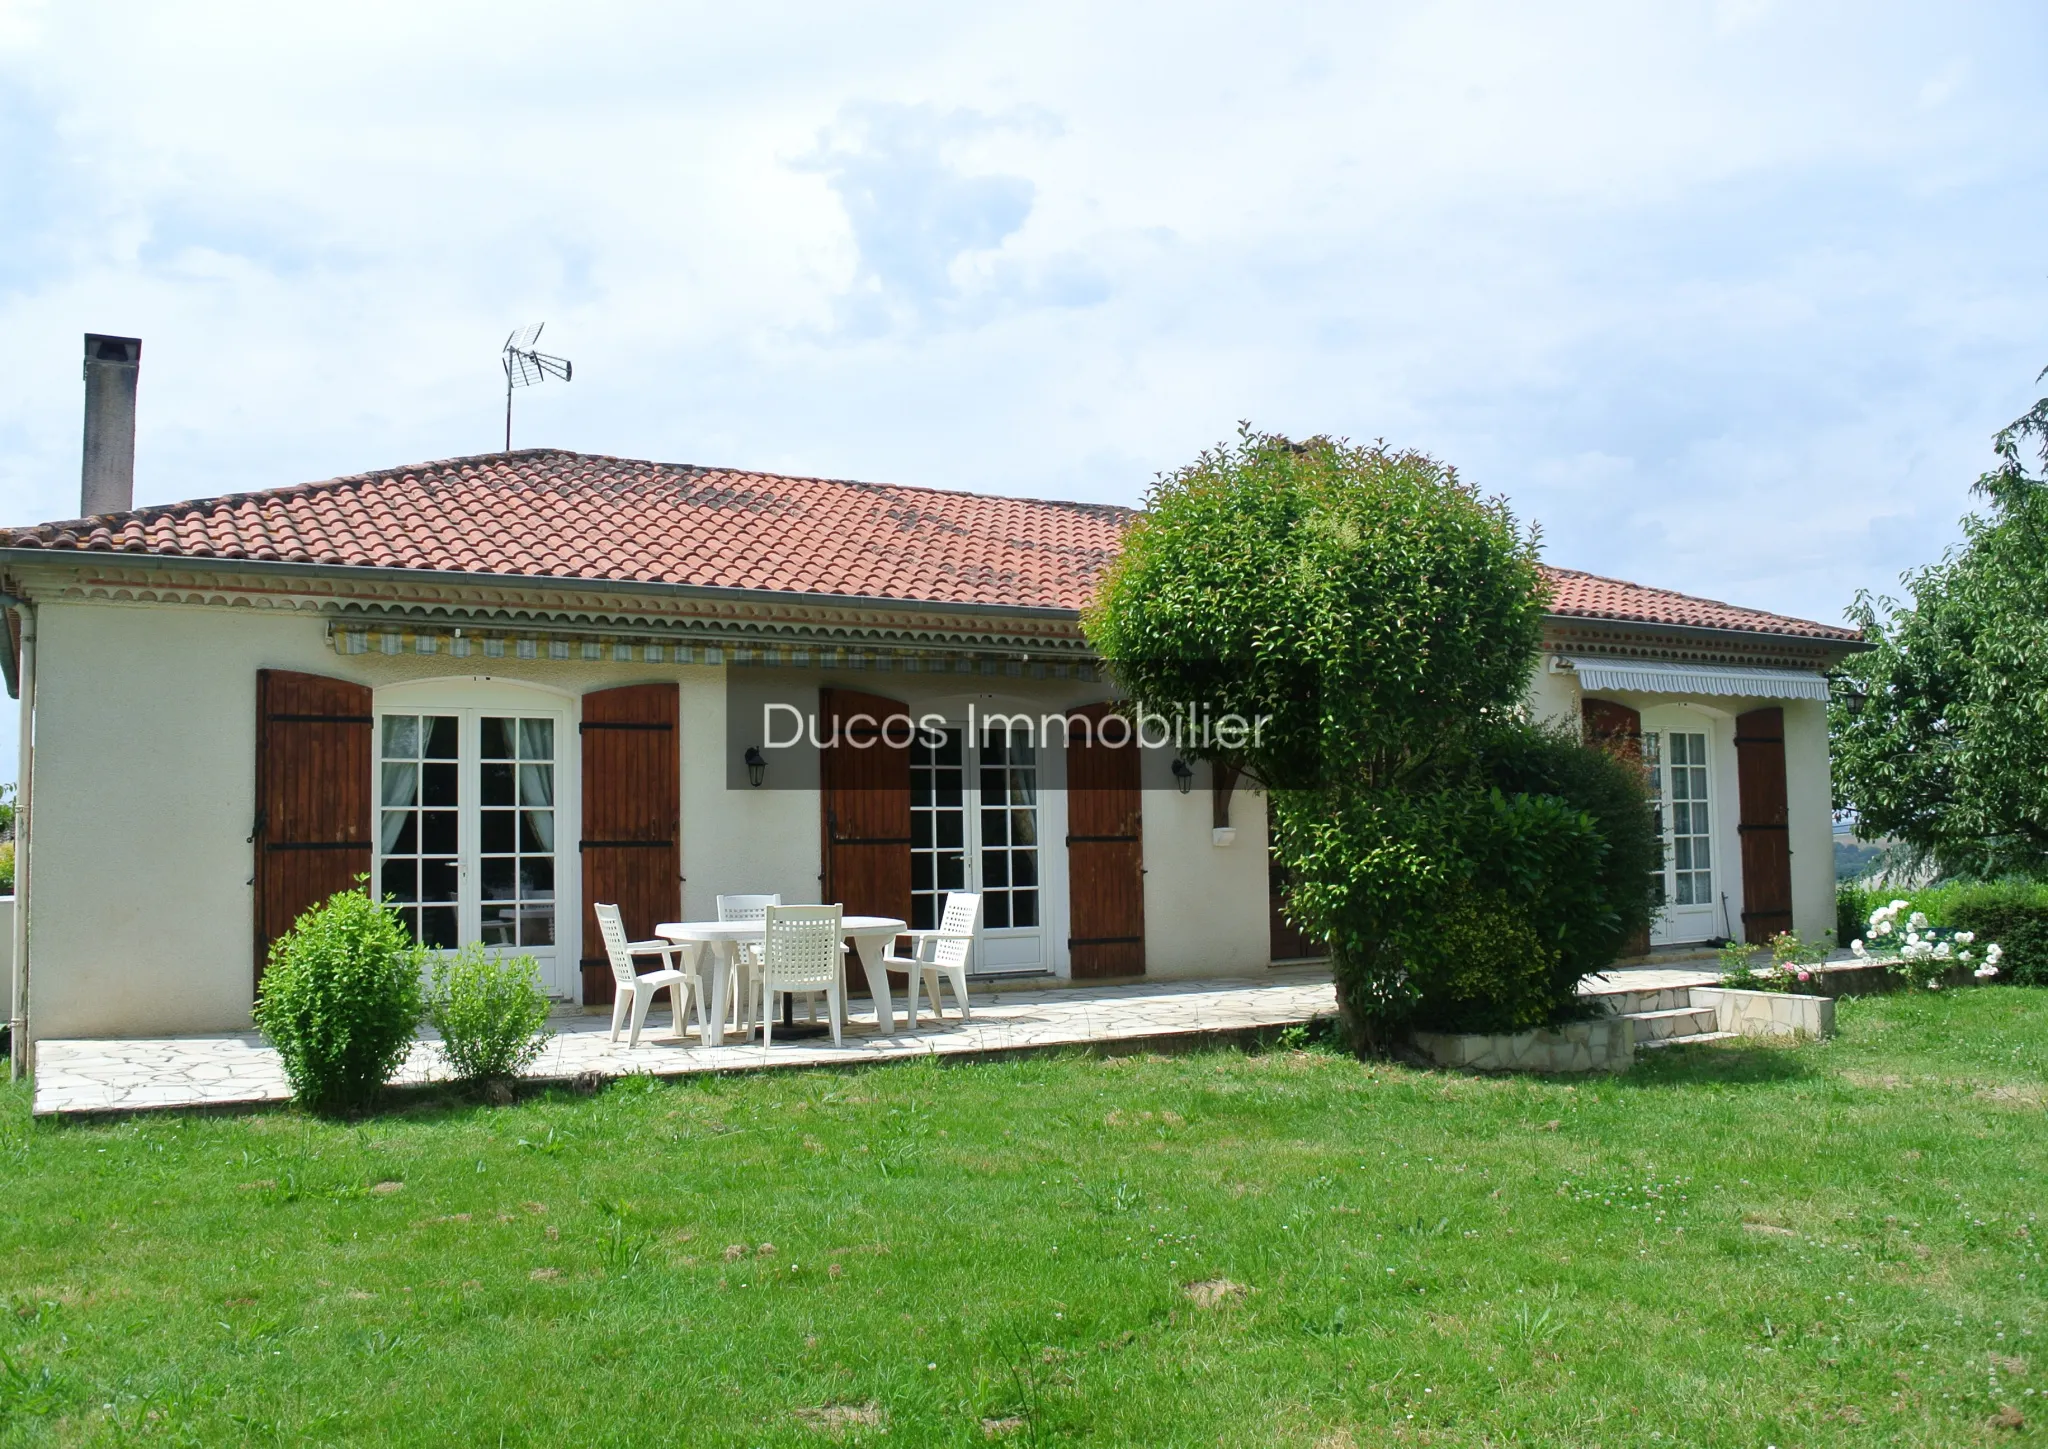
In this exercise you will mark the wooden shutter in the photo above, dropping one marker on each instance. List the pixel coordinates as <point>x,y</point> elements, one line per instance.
<point>1105,850</point>
<point>1766,838</point>
<point>1288,942</point>
<point>1619,730</point>
<point>632,814</point>
<point>1613,727</point>
<point>314,767</point>
<point>864,782</point>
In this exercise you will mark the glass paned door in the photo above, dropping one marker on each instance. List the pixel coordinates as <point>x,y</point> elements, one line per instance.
<point>419,832</point>
<point>1009,829</point>
<point>517,841</point>
<point>991,791</point>
<point>1691,849</point>
<point>1680,802</point>
<point>466,830</point>
<point>938,824</point>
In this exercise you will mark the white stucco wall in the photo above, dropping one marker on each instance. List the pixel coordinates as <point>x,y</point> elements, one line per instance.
<point>1206,912</point>
<point>142,920</point>
<point>1810,803</point>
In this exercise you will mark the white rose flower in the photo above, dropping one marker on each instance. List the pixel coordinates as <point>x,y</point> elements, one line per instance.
<point>1966,937</point>
<point>1896,906</point>
<point>1918,920</point>
<point>1986,972</point>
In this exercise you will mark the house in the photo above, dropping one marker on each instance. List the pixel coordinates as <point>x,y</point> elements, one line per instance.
<point>507,686</point>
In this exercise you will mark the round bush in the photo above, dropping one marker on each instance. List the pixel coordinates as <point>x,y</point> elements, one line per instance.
<point>341,999</point>
<point>491,1012</point>
<point>1482,967</point>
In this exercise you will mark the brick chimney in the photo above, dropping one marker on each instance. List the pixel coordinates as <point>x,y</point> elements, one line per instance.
<point>107,482</point>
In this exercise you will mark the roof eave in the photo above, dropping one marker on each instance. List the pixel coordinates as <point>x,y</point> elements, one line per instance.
<point>1709,634</point>
<point>282,569</point>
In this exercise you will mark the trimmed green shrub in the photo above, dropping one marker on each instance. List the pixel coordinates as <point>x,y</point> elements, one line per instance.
<point>1853,905</point>
<point>491,1012</point>
<point>1370,620</point>
<point>2012,913</point>
<point>341,1000</point>
<point>1593,899</point>
<point>1486,968</point>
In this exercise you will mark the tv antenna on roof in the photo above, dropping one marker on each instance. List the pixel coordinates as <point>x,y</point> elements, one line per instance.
<point>524,367</point>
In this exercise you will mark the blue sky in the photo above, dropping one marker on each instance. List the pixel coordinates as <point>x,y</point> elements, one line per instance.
<point>1728,296</point>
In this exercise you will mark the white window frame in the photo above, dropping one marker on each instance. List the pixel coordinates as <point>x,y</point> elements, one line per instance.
<point>469,699</point>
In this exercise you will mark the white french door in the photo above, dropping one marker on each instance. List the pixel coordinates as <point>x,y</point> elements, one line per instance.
<point>468,806</point>
<point>1681,781</point>
<point>974,825</point>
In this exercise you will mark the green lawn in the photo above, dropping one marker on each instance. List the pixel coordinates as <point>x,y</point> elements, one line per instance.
<point>1803,1245</point>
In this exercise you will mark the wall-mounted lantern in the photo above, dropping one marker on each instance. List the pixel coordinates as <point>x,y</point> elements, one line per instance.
<point>757,766</point>
<point>1183,775</point>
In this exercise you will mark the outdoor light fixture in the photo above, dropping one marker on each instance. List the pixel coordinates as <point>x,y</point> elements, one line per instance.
<point>757,765</point>
<point>1183,774</point>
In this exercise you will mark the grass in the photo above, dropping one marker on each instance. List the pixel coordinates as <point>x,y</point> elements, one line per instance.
<point>1793,1245</point>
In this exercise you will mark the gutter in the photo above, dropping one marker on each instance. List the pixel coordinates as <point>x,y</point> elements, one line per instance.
<point>19,1052</point>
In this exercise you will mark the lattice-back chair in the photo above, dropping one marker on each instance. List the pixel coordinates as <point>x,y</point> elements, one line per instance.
<point>800,952</point>
<point>635,991</point>
<point>943,952</point>
<point>747,954</point>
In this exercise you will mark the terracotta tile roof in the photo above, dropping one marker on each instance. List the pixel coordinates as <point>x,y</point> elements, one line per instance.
<point>550,514</point>
<point>1576,595</point>
<point>573,515</point>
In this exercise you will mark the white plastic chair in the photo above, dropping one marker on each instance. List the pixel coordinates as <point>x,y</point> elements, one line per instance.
<point>636,990</point>
<point>941,952</point>
<point>800,951</point>
<point>746,954</point>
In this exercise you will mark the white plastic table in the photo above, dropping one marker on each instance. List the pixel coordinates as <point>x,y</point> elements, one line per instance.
<point>870,936</point>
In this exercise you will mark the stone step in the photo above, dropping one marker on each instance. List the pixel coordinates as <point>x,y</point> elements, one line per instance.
<point>1657,1043</point>
<point>1635,1002</point>
<point>1672,1022</point>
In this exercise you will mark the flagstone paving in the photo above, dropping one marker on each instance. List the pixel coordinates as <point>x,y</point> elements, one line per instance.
<point>238,1068</point>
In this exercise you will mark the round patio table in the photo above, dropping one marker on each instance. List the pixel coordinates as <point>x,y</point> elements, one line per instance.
<point>870,936</point>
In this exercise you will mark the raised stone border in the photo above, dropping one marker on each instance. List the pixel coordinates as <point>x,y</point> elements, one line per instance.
<point>1607,1044</point>
<point>1767,1013</point>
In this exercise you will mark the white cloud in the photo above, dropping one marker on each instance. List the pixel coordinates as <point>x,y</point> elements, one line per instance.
<point>1730,296</point>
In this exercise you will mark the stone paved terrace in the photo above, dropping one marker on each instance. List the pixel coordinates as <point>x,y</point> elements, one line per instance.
<point>237,1069</point>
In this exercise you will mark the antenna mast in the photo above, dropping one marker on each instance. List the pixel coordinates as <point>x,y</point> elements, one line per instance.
<point>524,367</point>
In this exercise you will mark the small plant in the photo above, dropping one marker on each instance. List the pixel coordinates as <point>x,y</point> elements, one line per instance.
<point>1791,965</point>
<point>341,1000</point>
<point>491,1012</point>
<point>1920,952</point>
<point>1735,957</point>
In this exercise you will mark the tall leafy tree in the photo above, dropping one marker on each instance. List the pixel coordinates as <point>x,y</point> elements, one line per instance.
<point>1941,730</point>
<point>1379,619</point>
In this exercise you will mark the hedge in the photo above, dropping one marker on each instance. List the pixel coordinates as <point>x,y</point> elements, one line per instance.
<point>2014,913</point>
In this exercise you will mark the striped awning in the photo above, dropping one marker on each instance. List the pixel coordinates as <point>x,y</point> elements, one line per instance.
<point>1642,676</point>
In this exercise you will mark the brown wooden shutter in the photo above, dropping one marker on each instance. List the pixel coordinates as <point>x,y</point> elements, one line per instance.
<point>1288,942</point>
<point>1766,838</point>
<point>632,817</point>
<point>314,744</point>
<point>1619,730</point>
<point>1105,850</point>
<point>1613,727</point>
<point>864,782</point>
